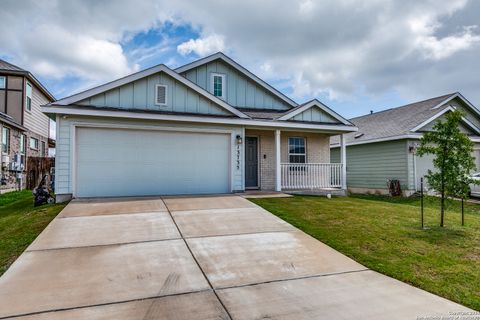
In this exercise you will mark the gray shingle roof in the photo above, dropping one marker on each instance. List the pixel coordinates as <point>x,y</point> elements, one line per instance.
<point>263,114</point>
<point>394,122</point>
<point>4,65</point>
<point>9,68</point>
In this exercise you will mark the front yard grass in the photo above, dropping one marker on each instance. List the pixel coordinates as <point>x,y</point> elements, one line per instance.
<point>384,234</point>
<point>21,223</point>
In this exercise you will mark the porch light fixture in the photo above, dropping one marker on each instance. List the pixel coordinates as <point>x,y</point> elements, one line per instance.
<point>239,139</point>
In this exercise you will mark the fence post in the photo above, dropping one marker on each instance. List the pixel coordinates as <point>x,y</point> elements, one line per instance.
<point>421,198</point>
<point>463,214</point>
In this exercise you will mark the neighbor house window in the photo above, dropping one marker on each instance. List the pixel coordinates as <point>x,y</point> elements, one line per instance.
<point>33,143</point>
<point>5,140</point>
<point>218,85</point>
<point>296,150</point>
<point>23,147</point>
<point>43,149</point>
<point>2,82</point>
<point>28,97</point>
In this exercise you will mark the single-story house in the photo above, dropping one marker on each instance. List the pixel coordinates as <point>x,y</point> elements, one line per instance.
<point>210,126</point>
<point>384,148</point>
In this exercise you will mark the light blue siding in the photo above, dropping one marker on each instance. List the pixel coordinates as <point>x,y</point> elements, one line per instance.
<point>241,91</point>
<point>140,95</point>
<point>315,114</point>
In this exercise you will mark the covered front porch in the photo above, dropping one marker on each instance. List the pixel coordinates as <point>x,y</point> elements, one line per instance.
<point>292,161</point>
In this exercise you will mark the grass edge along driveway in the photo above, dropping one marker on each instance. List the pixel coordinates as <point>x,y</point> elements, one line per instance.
<point>384,234</point>
<point>21,223</point>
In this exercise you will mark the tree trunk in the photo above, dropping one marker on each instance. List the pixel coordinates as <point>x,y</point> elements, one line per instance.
<point>442,202</point>
<point>442,208</point>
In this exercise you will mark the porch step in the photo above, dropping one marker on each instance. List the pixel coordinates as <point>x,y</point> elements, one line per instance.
<point>321,192</point>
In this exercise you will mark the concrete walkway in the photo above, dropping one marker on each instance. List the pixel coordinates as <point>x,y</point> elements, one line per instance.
<point>195,258</point>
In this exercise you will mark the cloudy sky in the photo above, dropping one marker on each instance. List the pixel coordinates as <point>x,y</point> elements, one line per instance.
<point>353,55</point>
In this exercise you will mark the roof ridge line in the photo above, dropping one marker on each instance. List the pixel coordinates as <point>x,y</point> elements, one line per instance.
<point>405,105</point>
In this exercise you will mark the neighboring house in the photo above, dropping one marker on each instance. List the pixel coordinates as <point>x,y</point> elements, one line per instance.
<point>210,126</point>
<point>24,129</point>
<point>385,144</point>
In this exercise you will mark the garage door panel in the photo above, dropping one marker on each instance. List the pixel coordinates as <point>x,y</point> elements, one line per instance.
<point>117,162</point>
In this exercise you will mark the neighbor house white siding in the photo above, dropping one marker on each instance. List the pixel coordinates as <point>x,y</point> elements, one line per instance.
<point>66,145</point>
<point>35,120</point>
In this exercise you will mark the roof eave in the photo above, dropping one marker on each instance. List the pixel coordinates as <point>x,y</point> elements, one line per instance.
<point>80,111</point>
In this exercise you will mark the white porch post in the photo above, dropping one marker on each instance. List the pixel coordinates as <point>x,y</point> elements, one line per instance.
<point>278,173</point>
<point>343,157</point>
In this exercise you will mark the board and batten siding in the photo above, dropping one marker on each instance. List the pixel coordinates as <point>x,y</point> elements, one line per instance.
<point>315,114</point>
<point>242,92</point>
<point>65,144</point>
<point>140,95</point>
<point>372,165</point>
<point>35,120</point>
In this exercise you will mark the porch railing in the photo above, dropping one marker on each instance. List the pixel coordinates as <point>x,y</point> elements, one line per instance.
<point>311,175</point>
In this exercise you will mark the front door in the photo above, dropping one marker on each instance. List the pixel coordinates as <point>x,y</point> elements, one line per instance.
<point>251,162</point>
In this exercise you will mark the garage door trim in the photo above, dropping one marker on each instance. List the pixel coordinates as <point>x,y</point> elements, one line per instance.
<point>73,149</point>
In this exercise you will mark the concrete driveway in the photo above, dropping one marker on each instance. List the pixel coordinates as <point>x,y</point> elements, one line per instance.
<point>195,258</point>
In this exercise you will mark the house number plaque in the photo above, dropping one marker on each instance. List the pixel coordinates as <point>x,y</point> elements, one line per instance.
<point>238,157</point>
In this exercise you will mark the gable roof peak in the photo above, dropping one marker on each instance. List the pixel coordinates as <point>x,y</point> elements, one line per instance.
<point>222,56</point>
<point>311,103</point>
<point>142,74</point>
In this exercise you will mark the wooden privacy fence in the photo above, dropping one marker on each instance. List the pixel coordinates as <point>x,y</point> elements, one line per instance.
<point>36,168</point>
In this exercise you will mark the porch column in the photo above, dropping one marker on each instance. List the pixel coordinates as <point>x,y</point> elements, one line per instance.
<point>278,172</point>
<point>343,160</point>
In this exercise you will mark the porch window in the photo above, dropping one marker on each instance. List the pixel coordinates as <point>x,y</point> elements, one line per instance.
<point>2,82</point>
<point>296,150</point>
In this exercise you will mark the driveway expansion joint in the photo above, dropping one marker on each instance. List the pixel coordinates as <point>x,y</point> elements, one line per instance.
<point>104,304</point>
<point>292,279</point>
<point>198,264</point>
<point>101,245</point>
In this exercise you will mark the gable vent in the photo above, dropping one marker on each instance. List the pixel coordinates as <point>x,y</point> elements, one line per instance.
<point>161,95</point>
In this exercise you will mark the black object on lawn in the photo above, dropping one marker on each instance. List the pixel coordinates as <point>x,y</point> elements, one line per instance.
<point>41,194</point>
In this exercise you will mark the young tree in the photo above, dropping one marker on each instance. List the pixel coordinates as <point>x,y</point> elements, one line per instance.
<point>453,160</point>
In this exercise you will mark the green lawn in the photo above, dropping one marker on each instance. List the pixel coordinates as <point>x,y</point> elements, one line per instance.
<point>20,224</point>
<point>384,234</point>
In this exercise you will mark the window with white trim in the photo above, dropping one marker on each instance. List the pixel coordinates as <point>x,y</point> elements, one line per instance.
<point>3,81</point>
<point>28,96</point>
<point>161,95</point>
<point>297,152</point>
<point>218,85</point>
<point>5,139</point>
<point>23,147</point>
<point>33,143</point>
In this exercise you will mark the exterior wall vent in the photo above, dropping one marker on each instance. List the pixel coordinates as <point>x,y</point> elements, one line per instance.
<point>161,95</point>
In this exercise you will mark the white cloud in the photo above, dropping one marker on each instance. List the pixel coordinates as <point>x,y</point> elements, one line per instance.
<point>202,46</point>
<point>417,48</point>
<point>437,49</point>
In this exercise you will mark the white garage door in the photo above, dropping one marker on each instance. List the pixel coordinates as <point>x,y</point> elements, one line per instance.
<point>122,162</point>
